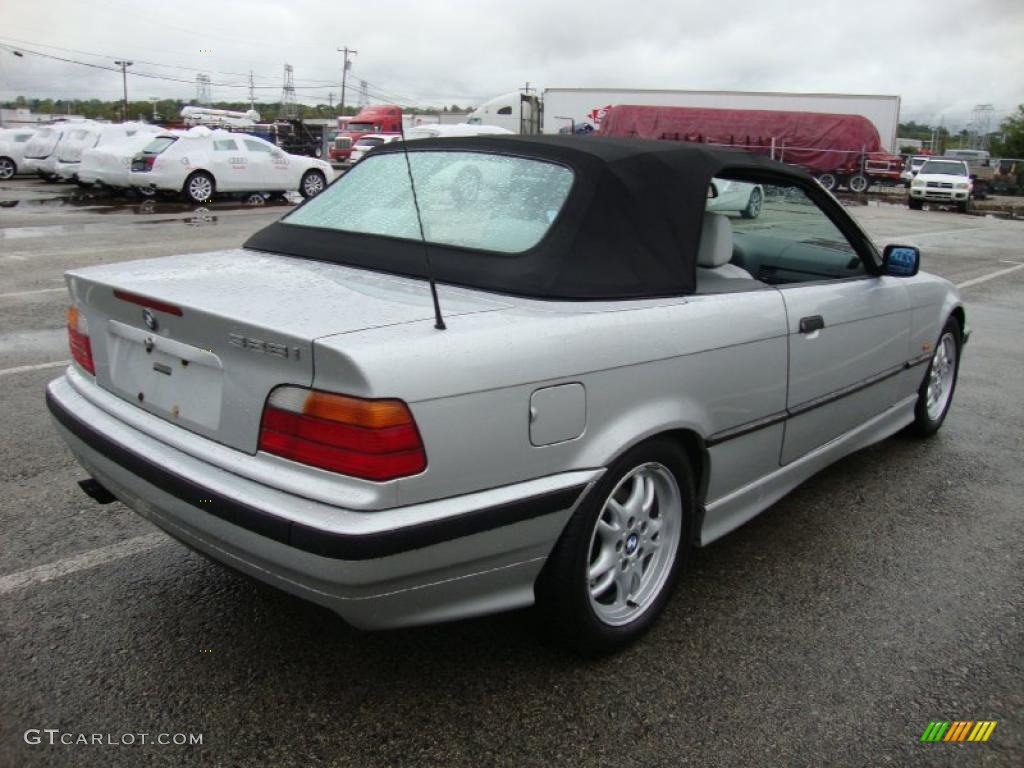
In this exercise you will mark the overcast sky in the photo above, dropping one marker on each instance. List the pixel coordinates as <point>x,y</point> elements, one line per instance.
<point>942,58</point>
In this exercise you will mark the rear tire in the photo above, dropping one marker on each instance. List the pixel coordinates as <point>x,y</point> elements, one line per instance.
<point>935,395</point>
<point>858,183</point>
<point>312,184</point>
<point>7,168</point>
<point>199,187</point>
<point>616,563</point>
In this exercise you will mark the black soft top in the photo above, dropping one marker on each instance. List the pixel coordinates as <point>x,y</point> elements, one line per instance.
<point>628,229</point>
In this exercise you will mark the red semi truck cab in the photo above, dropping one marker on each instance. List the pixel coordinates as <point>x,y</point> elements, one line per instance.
<point>381,118</point>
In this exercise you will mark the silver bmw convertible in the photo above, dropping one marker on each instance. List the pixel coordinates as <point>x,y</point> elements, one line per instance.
<point>480,374</point>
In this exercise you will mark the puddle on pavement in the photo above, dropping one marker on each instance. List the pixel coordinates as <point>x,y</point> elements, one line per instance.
<point>96,202</point>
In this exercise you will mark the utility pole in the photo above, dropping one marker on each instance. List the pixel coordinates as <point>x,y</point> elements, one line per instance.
<point>124,79</point>
<point>344,74</point>
<point>252,92</point>
<point>330,100</point>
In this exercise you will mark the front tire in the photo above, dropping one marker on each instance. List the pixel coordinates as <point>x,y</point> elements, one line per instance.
<point>312,184</point>
<point>753,209</point>
<point>828,181</point>
<point>7,168</point>
<point>615,564</point>
<point>914,205</point>
<point>936,392</point>
<point>199,187</point>
<point>965,206</point>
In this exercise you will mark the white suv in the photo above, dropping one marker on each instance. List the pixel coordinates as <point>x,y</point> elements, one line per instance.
<point>941,181</point>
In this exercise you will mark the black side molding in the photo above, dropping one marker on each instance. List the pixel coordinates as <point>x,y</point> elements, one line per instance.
<point>809,405</point>
<point>340,546</point>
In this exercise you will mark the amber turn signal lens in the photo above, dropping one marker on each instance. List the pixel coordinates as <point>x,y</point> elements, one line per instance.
<point>374,414</point>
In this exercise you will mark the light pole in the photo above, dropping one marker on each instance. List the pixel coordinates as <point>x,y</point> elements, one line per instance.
<point>344,74</point>
<point>124,78</point>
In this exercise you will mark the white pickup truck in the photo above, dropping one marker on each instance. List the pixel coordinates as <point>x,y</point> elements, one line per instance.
<point>941,180</point>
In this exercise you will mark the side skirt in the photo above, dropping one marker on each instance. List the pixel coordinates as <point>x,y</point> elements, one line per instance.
<point>731,511</point>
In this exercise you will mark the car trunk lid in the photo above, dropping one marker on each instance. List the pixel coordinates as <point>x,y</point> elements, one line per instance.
<point>200,340</point>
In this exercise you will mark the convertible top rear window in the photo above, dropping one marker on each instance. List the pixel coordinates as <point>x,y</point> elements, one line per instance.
<point>471,200</point>
<point>549,217</point>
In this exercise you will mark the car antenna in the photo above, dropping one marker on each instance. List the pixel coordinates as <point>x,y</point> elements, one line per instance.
<point>438,319</point>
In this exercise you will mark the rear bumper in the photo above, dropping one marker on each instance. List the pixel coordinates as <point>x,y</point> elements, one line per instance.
<point>32,165</point>
<point>423,563</point>
<point>66,170</point>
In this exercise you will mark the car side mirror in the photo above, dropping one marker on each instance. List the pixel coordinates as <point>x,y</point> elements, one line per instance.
<point>712,191</point>
<point>901,260</point>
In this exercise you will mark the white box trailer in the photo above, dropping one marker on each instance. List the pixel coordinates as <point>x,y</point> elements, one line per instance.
<point>568,107</point>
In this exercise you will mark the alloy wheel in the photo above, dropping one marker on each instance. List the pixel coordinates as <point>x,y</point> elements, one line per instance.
<point>633,544</point>
<point>200,188</point>
<point>940,377</point>
<point>313,184</point>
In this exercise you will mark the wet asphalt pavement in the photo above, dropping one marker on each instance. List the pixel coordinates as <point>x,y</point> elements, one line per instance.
<point>884,593</point>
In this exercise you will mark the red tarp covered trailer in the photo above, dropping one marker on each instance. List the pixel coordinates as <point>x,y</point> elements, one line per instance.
<point>840,146</point>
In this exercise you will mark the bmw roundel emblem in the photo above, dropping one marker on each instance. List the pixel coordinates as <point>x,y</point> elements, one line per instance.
<point>149,319</point>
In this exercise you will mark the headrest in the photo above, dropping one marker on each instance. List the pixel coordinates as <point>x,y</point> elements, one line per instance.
<point>715,241</point>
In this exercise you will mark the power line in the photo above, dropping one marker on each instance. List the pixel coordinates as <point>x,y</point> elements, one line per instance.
<point>374,92</point>
<point>147,75</point>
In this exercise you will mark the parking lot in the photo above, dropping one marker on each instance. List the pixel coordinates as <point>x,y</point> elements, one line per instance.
<point>884,593</point>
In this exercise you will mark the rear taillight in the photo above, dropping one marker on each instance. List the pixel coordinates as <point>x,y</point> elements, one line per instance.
<point>150,160</point>
<point>372,439</point>
<point>78,340</point>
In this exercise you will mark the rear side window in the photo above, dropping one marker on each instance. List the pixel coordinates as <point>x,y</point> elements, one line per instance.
<point>22,137</point>
<point>474,200</point>
<point>225,145</point>
<point>158,145</point>
<point>257,146</point>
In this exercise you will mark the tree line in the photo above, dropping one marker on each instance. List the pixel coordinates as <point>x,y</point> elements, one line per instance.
<point>168,110</point>
<point>1006,141</point>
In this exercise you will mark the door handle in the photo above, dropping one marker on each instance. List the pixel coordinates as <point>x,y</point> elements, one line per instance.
<point>811,324</point>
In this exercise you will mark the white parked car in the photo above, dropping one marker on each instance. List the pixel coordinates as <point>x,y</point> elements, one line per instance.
<point>941,181</point>
<point>201,163</point>
<point>110,164</point>
<point>912,168</point>
<point>439,131</point>
<point>368,142</point>
<point>12,150</point>
<point>745,199</point>
<point>40,151</point>
<point>80,140</point>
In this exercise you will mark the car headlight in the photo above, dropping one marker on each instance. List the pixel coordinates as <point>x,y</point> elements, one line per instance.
<point>917,183</point>
<point>962,185</point>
